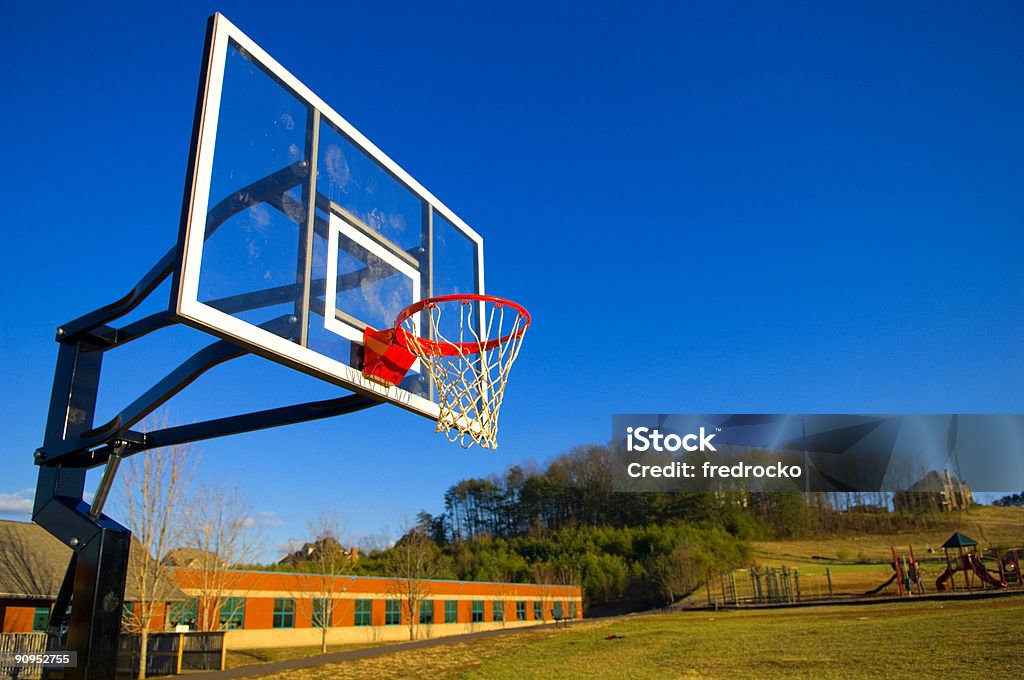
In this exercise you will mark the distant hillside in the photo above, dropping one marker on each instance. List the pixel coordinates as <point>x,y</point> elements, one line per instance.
<point>564,524</point>
<point>990,526</point>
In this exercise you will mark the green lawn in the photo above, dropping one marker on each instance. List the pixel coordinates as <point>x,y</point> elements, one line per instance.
<point>975,638</point>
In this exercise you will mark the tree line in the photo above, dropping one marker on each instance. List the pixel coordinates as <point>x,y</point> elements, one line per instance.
<point>563,524</point>
<point>575,490</point>
<point>1013,500</point>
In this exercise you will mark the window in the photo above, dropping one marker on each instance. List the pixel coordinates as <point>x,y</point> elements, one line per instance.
<point>427,611</point>
<point>127,614</point>
<point>499,610</point>
<point>451,611</point>
<point>520,611</point>
<point>183,614</point>
<point>364,612</point>
<point>41,618</point>
<point>478,611</point>
<point>323,612</point>
<point>232,613</point>
<point>538,610</point>
<point>392,612</point>
<point>572,610</point>
<point>284,612</point>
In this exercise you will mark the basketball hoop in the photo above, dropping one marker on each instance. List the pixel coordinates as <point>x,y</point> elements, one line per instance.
<point>472,342</point>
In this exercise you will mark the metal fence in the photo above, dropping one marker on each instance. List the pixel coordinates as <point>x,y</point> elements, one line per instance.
<point>202,652</point>
<point>167,654</point>
<point>171,653</point>
<point>21,643</point>
<point>767,585</point>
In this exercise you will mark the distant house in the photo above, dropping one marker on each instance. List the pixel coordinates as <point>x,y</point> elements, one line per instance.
<point>935,491</point>
<point>32,566</point>
<point>311,552</point>
<point>192,558</point>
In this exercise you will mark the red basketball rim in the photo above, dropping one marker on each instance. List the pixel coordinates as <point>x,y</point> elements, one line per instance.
<point>434,348</point>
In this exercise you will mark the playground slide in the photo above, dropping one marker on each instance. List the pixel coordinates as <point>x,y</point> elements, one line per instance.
<point>978,567</point>
<point>940,582</point>
<point>882,587</point>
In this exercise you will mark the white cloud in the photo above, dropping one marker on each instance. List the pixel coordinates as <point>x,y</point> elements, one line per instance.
<point>266,518</point>
<point>260,519</point>
<point>17,503</point>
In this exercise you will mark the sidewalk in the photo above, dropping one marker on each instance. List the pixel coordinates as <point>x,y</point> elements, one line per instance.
<point>257,670</point>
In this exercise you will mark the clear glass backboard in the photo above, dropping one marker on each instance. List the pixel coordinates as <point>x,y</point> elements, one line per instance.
<point>298,232</point>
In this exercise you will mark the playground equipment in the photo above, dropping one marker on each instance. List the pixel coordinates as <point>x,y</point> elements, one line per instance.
<point>1009,564</point>
<point>906,574</point>
<point>968,562</point>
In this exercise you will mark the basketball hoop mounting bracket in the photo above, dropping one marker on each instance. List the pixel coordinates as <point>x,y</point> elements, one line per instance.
<point>72,443</point>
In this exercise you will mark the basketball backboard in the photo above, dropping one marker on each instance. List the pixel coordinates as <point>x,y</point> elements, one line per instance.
<point>298,232</point>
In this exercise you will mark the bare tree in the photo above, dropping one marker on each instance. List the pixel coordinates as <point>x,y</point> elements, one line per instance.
<point>325,558</point>
<point>413,561</point>
<point>677,573</point>
<point>155,484</point>
<point>222,533</point>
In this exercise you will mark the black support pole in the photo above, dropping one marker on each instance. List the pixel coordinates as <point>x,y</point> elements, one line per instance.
<point>95,623</point>
<point>95,578</point>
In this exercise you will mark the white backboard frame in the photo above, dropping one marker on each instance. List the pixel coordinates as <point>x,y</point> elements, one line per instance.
<point>185,304</point>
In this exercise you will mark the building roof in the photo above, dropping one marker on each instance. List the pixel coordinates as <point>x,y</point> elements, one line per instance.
<point>958,540</point>
<point>192,558</point>
<point>936,481</point>
<point>33,563</point>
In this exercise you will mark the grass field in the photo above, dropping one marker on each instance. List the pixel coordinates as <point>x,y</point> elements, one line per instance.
<point>975,638</point>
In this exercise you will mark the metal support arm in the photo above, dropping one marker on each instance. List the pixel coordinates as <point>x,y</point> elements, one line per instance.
<point>74,451</point>
<point>94,583</point>
<point>270,189</point>
<point>137,442</point>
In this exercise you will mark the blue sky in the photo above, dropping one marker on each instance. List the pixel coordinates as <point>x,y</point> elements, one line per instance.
<point>707,207</point>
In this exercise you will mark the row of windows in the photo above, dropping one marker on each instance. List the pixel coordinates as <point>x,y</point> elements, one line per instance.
<point>284,612</point>
<point>232,612</point>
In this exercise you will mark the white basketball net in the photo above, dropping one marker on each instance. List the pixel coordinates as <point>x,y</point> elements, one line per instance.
<point>470,382</point>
